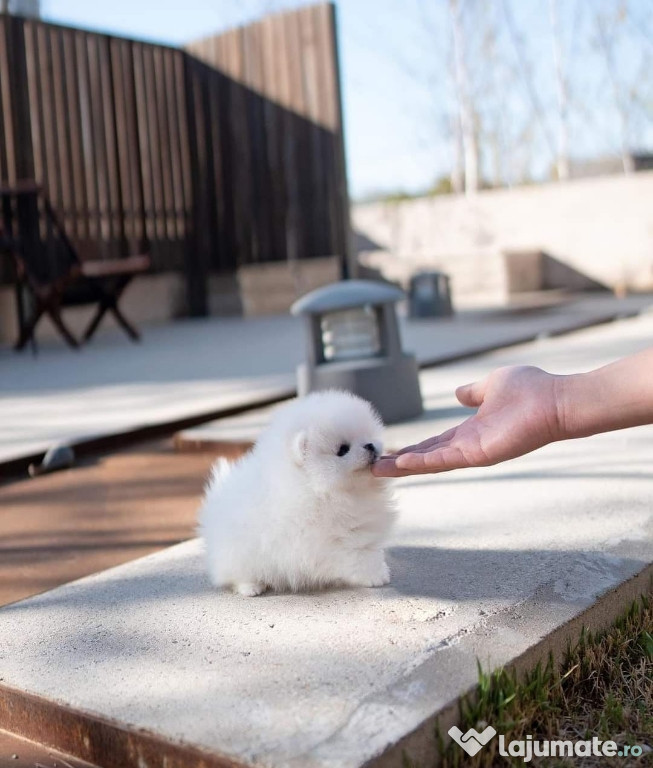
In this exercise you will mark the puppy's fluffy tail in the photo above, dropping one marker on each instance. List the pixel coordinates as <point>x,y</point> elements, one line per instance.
<point>219,472</point>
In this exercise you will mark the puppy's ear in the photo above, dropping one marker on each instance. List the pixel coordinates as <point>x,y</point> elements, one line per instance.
<point>298,447</point>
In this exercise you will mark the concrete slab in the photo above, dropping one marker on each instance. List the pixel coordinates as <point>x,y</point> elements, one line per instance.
<point>201,367</point>
<point>491,564</point>
<point>237,432</point>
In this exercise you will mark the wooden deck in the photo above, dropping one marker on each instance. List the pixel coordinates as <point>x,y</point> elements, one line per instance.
<point>60,527</point>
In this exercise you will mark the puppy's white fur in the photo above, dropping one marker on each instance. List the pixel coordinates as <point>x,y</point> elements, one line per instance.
<point>293,514</point>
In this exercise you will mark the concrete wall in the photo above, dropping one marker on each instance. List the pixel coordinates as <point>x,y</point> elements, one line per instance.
<point>602,227</point>
<point>268,289</point>
<point>259,289</point>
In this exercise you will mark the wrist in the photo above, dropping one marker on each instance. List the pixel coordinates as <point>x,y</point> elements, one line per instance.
<point>575,397</point>
<point>566,406</point>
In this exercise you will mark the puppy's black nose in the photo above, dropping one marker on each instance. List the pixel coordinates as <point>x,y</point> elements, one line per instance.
<point>371,448</point>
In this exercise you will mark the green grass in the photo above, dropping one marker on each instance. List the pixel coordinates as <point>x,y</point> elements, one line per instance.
<point>603,688</point>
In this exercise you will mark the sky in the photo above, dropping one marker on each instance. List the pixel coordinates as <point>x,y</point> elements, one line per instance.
<point>398,98</point>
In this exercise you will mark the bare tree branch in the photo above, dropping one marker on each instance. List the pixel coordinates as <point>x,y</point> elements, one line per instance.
<point>562,158</point>
<point>527,78</point>
<point>463,97</point>
<point>606,43</point>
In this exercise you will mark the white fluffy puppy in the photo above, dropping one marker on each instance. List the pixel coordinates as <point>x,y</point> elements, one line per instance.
<point>302,509</point>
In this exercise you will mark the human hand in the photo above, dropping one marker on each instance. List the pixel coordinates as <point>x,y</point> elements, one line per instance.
<point>518,411</point>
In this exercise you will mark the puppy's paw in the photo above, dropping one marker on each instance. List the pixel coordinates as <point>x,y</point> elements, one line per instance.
<point>371,572</point>
<point>249,588</point>
<point>385,574</point>
<point>380,577</point>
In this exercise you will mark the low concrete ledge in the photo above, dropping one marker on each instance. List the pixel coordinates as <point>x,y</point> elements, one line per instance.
<point>119,745</point>
<point>146,662</point>
<point>256,289</point>
<point>152,298</point>
<point>271,288</point>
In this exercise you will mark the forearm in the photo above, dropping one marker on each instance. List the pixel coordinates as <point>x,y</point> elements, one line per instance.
<point>616,396</point>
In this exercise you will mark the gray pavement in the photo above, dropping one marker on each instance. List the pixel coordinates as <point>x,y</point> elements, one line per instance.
<point>194,367</point>
<point>486,564</point>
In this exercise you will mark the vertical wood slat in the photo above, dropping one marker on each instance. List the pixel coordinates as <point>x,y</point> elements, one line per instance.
<point>98,160</point>
<point>88,142</point>
<point>67,192</point>
<point>13,84</point>
<point>6,132</point>
<point>33,90</point>
<point>115,219</point>
<point>199,244</point>
<point>184,152</point>
<point>77,179</point>
<point>124,139</point>
<point>270,83</point>
<point>131,145</point>
<point>168,150</point>
<point>142,131</point>
<point>7,150</point>
<point>176,217</point>
<point>157,157</point>
<point>217,198</point>
<point>339,164</point>
<point>49,118</point>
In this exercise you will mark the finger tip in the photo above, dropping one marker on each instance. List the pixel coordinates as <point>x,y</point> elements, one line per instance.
<point>381,466</point>
<point>403,461</point>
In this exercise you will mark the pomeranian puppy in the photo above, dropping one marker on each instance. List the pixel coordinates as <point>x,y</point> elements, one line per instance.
<point>302,510</point>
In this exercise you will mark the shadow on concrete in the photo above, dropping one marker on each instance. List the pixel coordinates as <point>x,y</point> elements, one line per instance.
<point>362,242</point>
<point>534,270</point>
<point>558,274</point>
<point>470,574</point>
<point>434,572</point>
<point>160,587</point>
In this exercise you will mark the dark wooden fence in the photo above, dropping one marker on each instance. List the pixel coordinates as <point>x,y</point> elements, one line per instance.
<point>290,105</point>
<point>228,155</point>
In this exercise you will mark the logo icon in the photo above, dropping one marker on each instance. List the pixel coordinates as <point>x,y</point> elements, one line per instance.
<point>472,741</point>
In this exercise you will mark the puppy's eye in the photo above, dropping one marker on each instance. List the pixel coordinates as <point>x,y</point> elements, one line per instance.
<point>344,449</point>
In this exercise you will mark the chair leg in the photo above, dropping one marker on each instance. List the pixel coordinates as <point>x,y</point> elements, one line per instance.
<point>129,329</point>
<point>27,330</point>
<point>108,301</point>
<point>55,316</point>
<point>93,325</point>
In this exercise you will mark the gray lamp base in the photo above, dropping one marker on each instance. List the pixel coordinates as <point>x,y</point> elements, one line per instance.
<point>391,386</point>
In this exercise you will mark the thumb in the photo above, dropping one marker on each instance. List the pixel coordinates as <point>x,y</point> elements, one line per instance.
<point>472,395</point>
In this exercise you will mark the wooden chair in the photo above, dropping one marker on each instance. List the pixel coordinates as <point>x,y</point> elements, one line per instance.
<point>49,272</point>
<point>10,246</point>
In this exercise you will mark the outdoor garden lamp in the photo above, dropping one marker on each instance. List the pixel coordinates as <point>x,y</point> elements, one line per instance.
<point>353,343</point>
